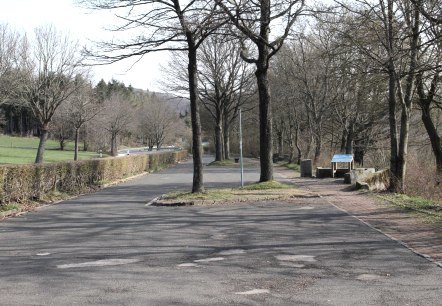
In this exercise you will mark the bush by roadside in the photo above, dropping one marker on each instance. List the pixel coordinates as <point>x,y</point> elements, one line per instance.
<point>27,183</point>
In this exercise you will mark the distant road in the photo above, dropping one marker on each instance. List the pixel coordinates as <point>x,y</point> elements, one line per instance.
<point>145,150</point>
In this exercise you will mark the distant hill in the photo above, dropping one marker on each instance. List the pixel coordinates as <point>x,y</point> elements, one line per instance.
<point>182,105</point>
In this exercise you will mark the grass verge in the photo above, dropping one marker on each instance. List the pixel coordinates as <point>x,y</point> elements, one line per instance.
<point>266,186</point>
<point>49,198</point>
<point>430,210</point>
<point>222,163</point>
<point>253,193</point>
<point>294,167</point>
<point>8,207</point>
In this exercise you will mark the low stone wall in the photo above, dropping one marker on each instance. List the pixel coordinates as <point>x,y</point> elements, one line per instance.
<point>359,174</point>
<point>378,181</point>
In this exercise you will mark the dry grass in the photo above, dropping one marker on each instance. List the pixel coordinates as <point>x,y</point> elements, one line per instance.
<point>423,181</point>
<point>232,196</point>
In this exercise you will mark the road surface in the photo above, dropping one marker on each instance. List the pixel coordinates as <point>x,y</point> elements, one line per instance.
<point>108,248</point>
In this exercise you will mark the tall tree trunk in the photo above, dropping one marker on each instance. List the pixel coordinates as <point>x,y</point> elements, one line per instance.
<point>76,144</point>
<point>85,140</point>
<point>265,124</point>
<point>298,148</point>
<point>280,139</point>
<point>405,97</point>
<point>226,138</point>
<point>343,140</point>
<point>425,101</point>
<point>436,143</point>
<point>403,147</point>
<point>42,144</point>
<point>349,141</point>
<point>197,148</point>
<point>318,148</point>
<point>218,136</point>
<point>114,150</point>
<point>394,183</point>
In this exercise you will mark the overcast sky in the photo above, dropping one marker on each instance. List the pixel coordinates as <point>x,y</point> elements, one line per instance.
<point>82,25</point>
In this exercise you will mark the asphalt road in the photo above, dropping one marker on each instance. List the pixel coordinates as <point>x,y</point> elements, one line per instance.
<point>108,248</point>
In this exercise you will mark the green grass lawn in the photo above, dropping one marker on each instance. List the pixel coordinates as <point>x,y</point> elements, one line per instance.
<point>22,150</point>
<point>431,210</point>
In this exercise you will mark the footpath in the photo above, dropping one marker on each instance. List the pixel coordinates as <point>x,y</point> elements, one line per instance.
<point>425,239</point>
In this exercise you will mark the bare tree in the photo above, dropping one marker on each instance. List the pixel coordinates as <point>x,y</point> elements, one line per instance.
<point>82,107</point>
<point>165,26</point>
<point>428,78</point>
<point>254,19</point>
<point>314,78</point>
<point>225,87</point>
<point>431,9</point>
<point>61,127</point>
<point>392,42</point>
<point>52,66</point>
<point>115,118</point>
<point>9,62</point>
<point>158,121</point>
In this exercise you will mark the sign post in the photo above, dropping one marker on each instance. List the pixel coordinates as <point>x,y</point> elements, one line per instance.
<point>240,150</point>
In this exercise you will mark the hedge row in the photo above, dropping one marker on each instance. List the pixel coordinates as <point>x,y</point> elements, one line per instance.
<point>21,183</point>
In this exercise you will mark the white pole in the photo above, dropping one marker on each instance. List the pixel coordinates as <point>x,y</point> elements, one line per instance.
<point>240,150</point>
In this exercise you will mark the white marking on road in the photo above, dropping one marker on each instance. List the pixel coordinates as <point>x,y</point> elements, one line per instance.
<point>253,291</point>
<point>232,252</point>
<point>368,277</point>
<point>209,259</point>
<point>43,254</point>
<point>219,236</point>
<point>292,265</point>
<point>99,263</point>
<point>306,207</point>
<point>305,258</point>
<point>188,264</point>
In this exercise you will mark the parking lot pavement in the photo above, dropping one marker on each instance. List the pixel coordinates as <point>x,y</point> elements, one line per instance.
<point>108,248</point>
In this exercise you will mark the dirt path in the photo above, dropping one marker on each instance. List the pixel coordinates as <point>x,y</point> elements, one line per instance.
<point>423,238</point>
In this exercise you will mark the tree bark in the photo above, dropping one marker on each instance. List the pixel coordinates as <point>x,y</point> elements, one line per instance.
<point>76,144</point>
<point>343,139</point>
<point>265,124</point>
<point>197,148</point>
<point>318,148</point>
<point>114,151</point>
<point>298,148</point>
<point>394,183</point>
<point>42,144</point>
<point>436,143</point>
<point>349,140</point>
<point>399,151</point>
<point>218,136</point>
<point>425,101</point>
<point>85,142</point>
<point>226,137</point>
<point>280,139</point>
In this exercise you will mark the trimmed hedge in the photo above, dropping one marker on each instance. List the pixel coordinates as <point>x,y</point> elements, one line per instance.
<point>22,183</point>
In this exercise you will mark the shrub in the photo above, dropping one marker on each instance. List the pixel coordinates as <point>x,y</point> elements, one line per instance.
<point>23,183</point>
<point>422,180</point>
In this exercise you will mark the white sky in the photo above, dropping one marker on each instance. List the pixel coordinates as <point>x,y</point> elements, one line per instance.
<point>85,26</point>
